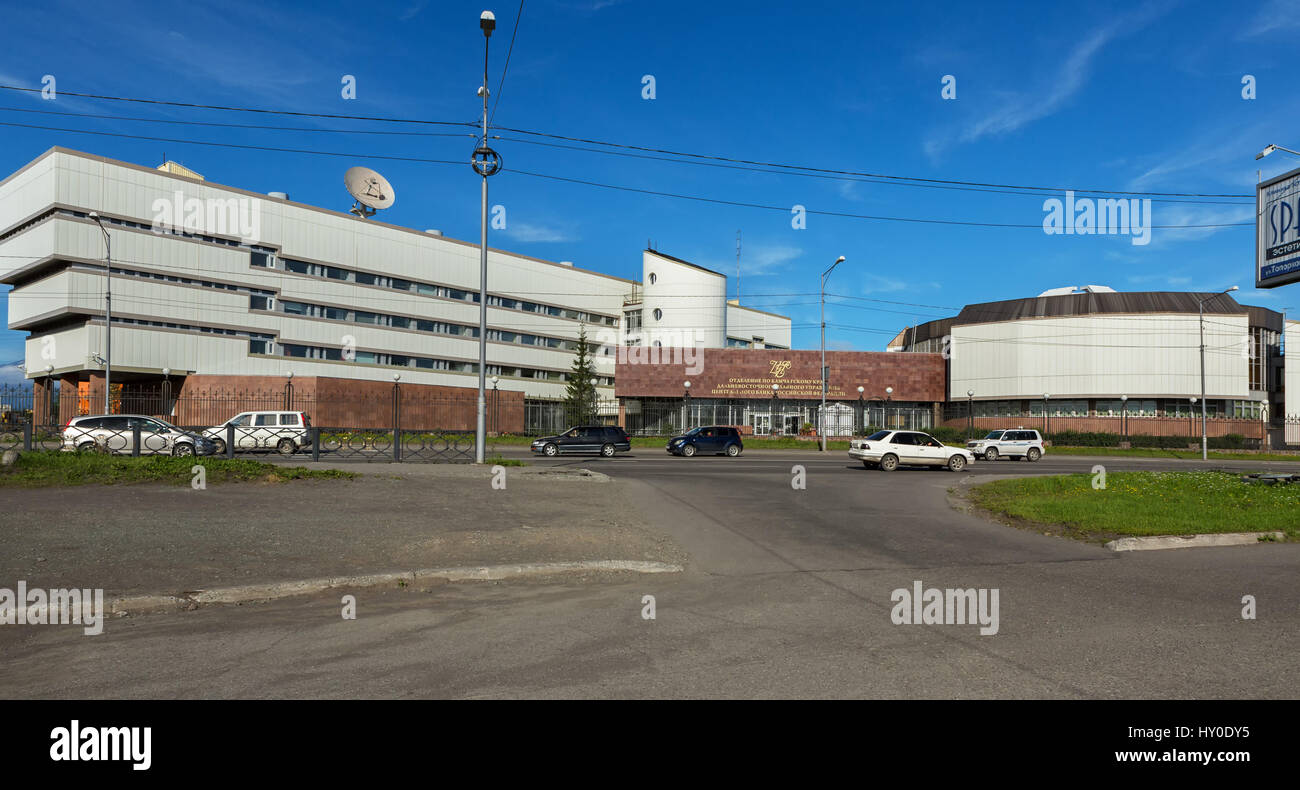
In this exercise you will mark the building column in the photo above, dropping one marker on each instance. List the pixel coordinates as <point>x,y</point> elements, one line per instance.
<point>68,399</point>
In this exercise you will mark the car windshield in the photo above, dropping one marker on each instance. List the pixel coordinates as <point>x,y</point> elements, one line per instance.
<point>994,435</point>
<point>878,436</point>
<point>693,431</point>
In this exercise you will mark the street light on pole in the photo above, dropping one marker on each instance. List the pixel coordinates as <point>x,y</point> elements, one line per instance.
<point>686,404</point>
<point>486,163</point>
<point>888,392</point>
<point>108,309</point>
<point>970,413</point>
<point>1268,149</point>
<point>1200,308</point>
<point>1046,417</point>
<point>862,413</point>
<point>1123,415</point>
<point>821,418</point>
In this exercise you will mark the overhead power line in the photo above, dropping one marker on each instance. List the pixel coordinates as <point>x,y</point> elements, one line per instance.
<point>647,149</point>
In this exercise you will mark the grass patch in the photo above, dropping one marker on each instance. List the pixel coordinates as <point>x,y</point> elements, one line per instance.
<point>1154,452</point>
<point>498,460</point>
<point>54,468</point>
<point>1143,503</point>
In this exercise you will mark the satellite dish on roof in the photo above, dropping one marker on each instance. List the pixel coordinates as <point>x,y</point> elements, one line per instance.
<point>371,190</point>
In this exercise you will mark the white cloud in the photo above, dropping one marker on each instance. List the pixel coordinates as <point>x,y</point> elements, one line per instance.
<point>1275,16</point>
<point>525,231</point>
<point>1021,108</point>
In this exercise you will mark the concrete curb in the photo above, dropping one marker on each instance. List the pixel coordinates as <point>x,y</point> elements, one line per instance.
<point>1192,541</point>
<point>149,604</point>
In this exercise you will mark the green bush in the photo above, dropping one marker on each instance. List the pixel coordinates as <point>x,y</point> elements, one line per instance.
<point>1233,441</point>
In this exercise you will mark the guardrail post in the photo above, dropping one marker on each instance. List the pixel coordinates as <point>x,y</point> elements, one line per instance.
<point>135,440</point>
<point>230,441</point>
<point>27,437</point>
<point>314,433</point>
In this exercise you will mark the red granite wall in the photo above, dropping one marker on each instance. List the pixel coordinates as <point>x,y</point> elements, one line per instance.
<point>750,373</point>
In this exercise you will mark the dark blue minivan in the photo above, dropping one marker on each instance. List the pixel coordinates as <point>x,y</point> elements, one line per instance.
<point>707,440</point>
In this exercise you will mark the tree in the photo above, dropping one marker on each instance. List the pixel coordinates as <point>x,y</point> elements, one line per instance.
<point>580,398</point>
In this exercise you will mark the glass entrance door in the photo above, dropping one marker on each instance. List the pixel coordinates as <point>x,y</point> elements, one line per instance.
<point>761,423</point>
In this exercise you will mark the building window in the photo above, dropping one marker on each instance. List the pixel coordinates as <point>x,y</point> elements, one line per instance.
<point>653,278</point>
<point>659,314</point>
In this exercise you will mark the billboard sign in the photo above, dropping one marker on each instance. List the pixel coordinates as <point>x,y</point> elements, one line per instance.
<point>1277,231</point>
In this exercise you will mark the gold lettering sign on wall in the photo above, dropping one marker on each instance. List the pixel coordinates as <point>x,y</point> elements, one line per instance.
<point>779,367</point>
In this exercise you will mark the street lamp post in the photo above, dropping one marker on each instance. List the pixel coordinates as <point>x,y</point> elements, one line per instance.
<point>288,391</point>
<point>496,407</point>
<point>1123,416</point>
<point>970,413</point>
<point>821,418</point>
<point>686,404</point>
<point>108,309</point>
<point>1191,417</point>
<point>1200,308</point>
<point>862,413</point>
<point>771,427</point>
<point>49,396</point>
<point>167,392</point>
<point>485,163</point>
<point>1046,416</point>
<point>889,391</point>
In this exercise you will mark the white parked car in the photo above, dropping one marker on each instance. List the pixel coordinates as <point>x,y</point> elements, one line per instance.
<point>1015,443</point>
<point>889,450</point>
<point>286,432</point>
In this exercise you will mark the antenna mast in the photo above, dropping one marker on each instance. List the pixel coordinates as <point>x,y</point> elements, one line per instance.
<point>737,266</point>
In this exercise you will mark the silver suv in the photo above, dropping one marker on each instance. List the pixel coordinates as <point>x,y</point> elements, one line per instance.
<point>286,432</point>
<point>1014,443</point>
<point>115,433</point>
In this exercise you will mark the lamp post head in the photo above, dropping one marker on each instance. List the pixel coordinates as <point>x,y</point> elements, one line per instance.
<point>1268,149</point>
<point>1233,288</point>
<point>1123,397</point>
<point>686,384</point>
<point>1193,399</point>
<point>487,21</point>
<point>397,376</point>
<point>970,393</point>
<point>840,259</point>
<point>861,389</point>
<point>289,375</point>
<point>49,370</point>
<point>167,371</point>
<point>494,381</point>
<point>889,390</point>
<point>775,387</point>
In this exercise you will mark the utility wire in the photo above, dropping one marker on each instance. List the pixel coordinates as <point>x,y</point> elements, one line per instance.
<point>497,102</point>
<point>625,146</point>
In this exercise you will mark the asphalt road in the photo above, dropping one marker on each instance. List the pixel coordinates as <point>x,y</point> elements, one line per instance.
<point>788,592</point>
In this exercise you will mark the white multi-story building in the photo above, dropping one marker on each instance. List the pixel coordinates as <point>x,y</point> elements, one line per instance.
<point>1102,353</point>
<point>222,281</point>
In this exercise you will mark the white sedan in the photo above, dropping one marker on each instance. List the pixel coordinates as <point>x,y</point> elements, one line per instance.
<point>889,450</point>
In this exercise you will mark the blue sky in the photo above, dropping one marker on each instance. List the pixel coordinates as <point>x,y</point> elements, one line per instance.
<point>1110,96</point>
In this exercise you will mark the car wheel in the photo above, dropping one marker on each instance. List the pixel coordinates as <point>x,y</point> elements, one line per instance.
<point>550,450</point>
<point>607,450</point>
<point>733,450</point>
<point>688,450</point>
<point>286,447</point>
<point>991,454</point>
<point>183,449</point>
<point>1034,454</point>
<point>87,447</point>
<point>220,445</point>
<point>956,463</point>
<point>889,462</point>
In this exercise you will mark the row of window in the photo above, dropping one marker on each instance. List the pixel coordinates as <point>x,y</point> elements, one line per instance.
<point>171,231</point>
<point>207,330</point>
<point>171,278</point>
<point>260,301</point>
<point>427,289</point>
<point>263,346</point>
<point>1109,407</point>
